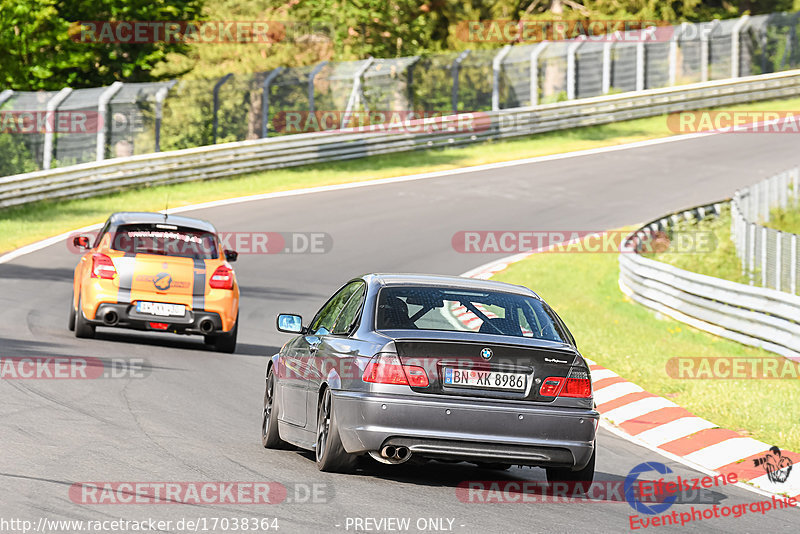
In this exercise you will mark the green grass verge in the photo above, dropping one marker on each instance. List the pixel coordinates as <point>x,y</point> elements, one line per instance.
<point>787,220</point>
<point>625,337</point>
<point>25,224</point>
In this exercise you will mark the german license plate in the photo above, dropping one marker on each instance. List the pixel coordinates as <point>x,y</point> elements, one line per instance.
<point>161,309</point>
<point>485,379</point>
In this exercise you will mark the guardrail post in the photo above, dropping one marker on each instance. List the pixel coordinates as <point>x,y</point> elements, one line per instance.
<point>355,93</point>
<point>572,78</point>
<point>5,95</point>
<point>50,125</point>
<point>313,74</point>
<point>736,48</point>
<point>102,117</point>
<point>161,95</point>
<point>265,100</point>
<point>640,65</point>
<point>455,69</point>
<point>534,68</point>
<point>217,87</point>
<point>497,64</point>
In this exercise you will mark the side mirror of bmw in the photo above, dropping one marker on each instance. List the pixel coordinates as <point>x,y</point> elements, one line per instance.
<point>290,323</point>
<point>81,242</point>
<point>231,255</point>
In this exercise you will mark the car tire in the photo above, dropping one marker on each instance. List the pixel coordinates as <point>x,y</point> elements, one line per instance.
<point>71,322</point>
<point>270,437</point>
<point>329,451</point>
<point>557,474</point>
<point>227,342</point>
<point>83,329</point>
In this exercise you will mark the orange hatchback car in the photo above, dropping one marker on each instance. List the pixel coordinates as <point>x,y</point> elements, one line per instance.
<point>150,271</point>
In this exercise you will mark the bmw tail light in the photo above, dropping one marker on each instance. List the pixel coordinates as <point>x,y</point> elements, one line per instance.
<point>103,267</point>
<point>577,384</point>
<point>387,369</point>
<point>222,278</point>
<point>550,386</point>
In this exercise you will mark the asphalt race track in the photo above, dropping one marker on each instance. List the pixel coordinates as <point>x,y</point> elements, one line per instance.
<point>195,416</point>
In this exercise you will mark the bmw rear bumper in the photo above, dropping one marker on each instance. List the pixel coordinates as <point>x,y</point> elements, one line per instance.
<point>467,430</point>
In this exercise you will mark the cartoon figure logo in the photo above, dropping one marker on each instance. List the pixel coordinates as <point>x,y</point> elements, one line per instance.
<point>162,281</point>
<point>775,464</point>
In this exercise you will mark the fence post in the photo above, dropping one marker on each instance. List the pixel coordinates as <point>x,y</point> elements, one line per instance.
<point>313,74</point>
<point>606,76</point>
<point>455,68</point>
<point>265,100</point>
<point>640,65</point>
<point>572,78</point>
<point>736,48</point>
<point>497,63</point>
<point>50,122</point>
<point>673,53</point>
<point>161,95</point>
<point>102,117</point>
<point>705,50</point>
<point>217,87</point>
<point>793,266</point>
<point>5,95</point>
<point>764,256</point>
<point>534,77</point>
<point>778,259</point>
<point>751,253</point>
<point>355,93</point>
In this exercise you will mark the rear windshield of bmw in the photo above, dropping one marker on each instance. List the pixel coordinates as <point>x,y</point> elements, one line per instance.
<point>166,240</point>
<point>457,310</point>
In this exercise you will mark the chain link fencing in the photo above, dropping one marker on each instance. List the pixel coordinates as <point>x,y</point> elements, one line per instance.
<point>768,256</point>
<point>138,118</point>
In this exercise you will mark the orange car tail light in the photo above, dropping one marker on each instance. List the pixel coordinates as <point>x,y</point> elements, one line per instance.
<point>222,278</point>
<point>103,267</point>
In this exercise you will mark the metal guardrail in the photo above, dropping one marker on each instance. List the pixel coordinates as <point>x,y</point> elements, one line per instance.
<point>230,159</point>
<point>770,257</point>
<point>759,317</point>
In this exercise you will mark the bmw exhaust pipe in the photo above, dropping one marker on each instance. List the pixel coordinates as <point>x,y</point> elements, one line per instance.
<point>392,455</point>
<point>110,318</point>
<point>206,326</point>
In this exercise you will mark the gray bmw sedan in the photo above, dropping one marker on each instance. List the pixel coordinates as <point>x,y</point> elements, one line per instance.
<point>397,366</point>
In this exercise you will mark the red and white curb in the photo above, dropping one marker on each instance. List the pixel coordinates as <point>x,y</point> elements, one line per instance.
<point>663,426</point>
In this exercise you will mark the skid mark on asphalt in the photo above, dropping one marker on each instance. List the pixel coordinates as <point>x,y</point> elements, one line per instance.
<point>54,400</point>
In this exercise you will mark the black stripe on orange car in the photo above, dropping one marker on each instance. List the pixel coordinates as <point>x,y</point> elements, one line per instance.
<point>126,268</point>
<point>199,286</point>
